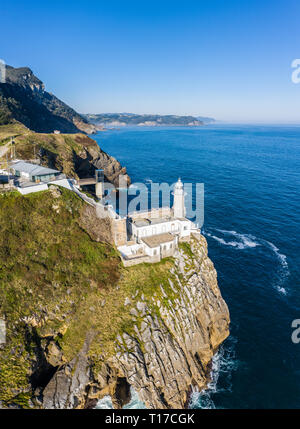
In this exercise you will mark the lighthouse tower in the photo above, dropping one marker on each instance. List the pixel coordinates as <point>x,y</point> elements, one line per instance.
<point>178,205</point>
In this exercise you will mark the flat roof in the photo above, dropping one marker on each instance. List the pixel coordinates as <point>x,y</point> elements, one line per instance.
<point>32,169</point>
<point>156,240</point>
<point>152,221</point>
<point>141,222</point>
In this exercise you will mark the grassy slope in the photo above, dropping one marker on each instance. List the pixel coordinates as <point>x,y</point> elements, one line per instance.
<point>12,130</point>
<point>60,148</point>
<point>55,278</point>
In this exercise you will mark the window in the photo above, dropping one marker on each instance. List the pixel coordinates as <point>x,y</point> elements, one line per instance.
<point>154,252</point>
<point>171,245</point>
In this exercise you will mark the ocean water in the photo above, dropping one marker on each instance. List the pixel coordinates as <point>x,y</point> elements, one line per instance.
<point>251,176</point>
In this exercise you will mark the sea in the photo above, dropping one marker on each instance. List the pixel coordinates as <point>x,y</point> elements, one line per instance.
<point>251,176</point>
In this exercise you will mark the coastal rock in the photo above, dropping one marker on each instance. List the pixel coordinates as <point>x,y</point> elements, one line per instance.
<point>69,337</point>
<point>167,353</point>
<point>24,99</point>
<point>173,350</point>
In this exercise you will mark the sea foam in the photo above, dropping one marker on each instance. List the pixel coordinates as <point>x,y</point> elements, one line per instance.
<point>246,241</point>
<point>224,363</point>
<point>106,404</point>
<point>243,241</point>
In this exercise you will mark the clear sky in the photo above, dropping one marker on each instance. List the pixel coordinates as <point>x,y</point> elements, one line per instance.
<point>230,59</point>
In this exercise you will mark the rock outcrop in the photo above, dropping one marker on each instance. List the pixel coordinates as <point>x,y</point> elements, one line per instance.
<point>170,349</point>
<point>80,326</point>
<point>76,155</point>
<point>23,98</point>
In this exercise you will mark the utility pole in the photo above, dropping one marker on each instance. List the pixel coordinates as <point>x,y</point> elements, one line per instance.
<point>12,149</point>
<point>7,168</point>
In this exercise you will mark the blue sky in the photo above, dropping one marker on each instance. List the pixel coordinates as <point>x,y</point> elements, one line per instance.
<point>228,59</point>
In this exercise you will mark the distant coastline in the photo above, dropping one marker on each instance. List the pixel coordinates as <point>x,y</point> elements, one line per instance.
<point>109,120</point>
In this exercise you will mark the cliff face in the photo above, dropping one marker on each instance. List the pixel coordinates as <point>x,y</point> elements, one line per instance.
<point>172,347</point>
<point>23,98</point>
<point>81,326</point>
<point>76,155</point>
<point>174,337</point>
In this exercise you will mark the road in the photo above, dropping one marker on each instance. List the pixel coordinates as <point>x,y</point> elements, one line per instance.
<point>4,149</point>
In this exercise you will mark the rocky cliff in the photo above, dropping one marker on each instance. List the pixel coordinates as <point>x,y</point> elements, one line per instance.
<point>81,326</point>
<point>23,98</point>
<point>76,155</point>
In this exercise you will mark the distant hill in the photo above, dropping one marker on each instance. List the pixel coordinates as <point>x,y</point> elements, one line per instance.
<point>126,119</point>
<point>206,119</point>
<point>23,98</point>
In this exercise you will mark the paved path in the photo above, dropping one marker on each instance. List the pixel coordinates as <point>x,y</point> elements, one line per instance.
<point>4,149</point>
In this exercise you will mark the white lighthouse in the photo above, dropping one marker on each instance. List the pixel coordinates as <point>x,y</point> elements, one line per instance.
<point>178,205</point>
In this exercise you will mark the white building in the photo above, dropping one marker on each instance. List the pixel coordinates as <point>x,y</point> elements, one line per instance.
<point>30,178</point>
<point>153,238</point>
<point>143,228</point>
<point>33,173</point>
<point>179,206</point>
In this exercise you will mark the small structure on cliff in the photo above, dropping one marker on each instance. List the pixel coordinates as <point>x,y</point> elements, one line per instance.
<point>97,182</point>
<point>155,234</point>
<point>28,177</point>
<point>33,172</point>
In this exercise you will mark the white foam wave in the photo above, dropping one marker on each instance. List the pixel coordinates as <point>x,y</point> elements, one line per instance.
<point>223,364</point>
<point>245,241</point>
<point>284,271</point>
<point>135,403</point>
<point>280,256</point>
<point>105,403</point>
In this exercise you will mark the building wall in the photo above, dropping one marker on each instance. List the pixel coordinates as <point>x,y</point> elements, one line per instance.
<point>136,261</point>
<point>119,230</point>
<point>185,228</point>
<point>152,251</point>
<point>130,251</point>
<point>44,178</point>
<point>167,249</point>
<point>65,183</point>
<point>21,174</point>
<point>154,213</point>
<point>31,189</point>
<point>175,226</point>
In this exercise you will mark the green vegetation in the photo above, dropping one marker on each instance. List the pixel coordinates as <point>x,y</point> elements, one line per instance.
<point>23,99</point>
<point>57,283</point>
<point>49,270</point>
<point>107,119</point>
<point>187,249</point>
<point>58,151</point>
<point>13,129</point>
